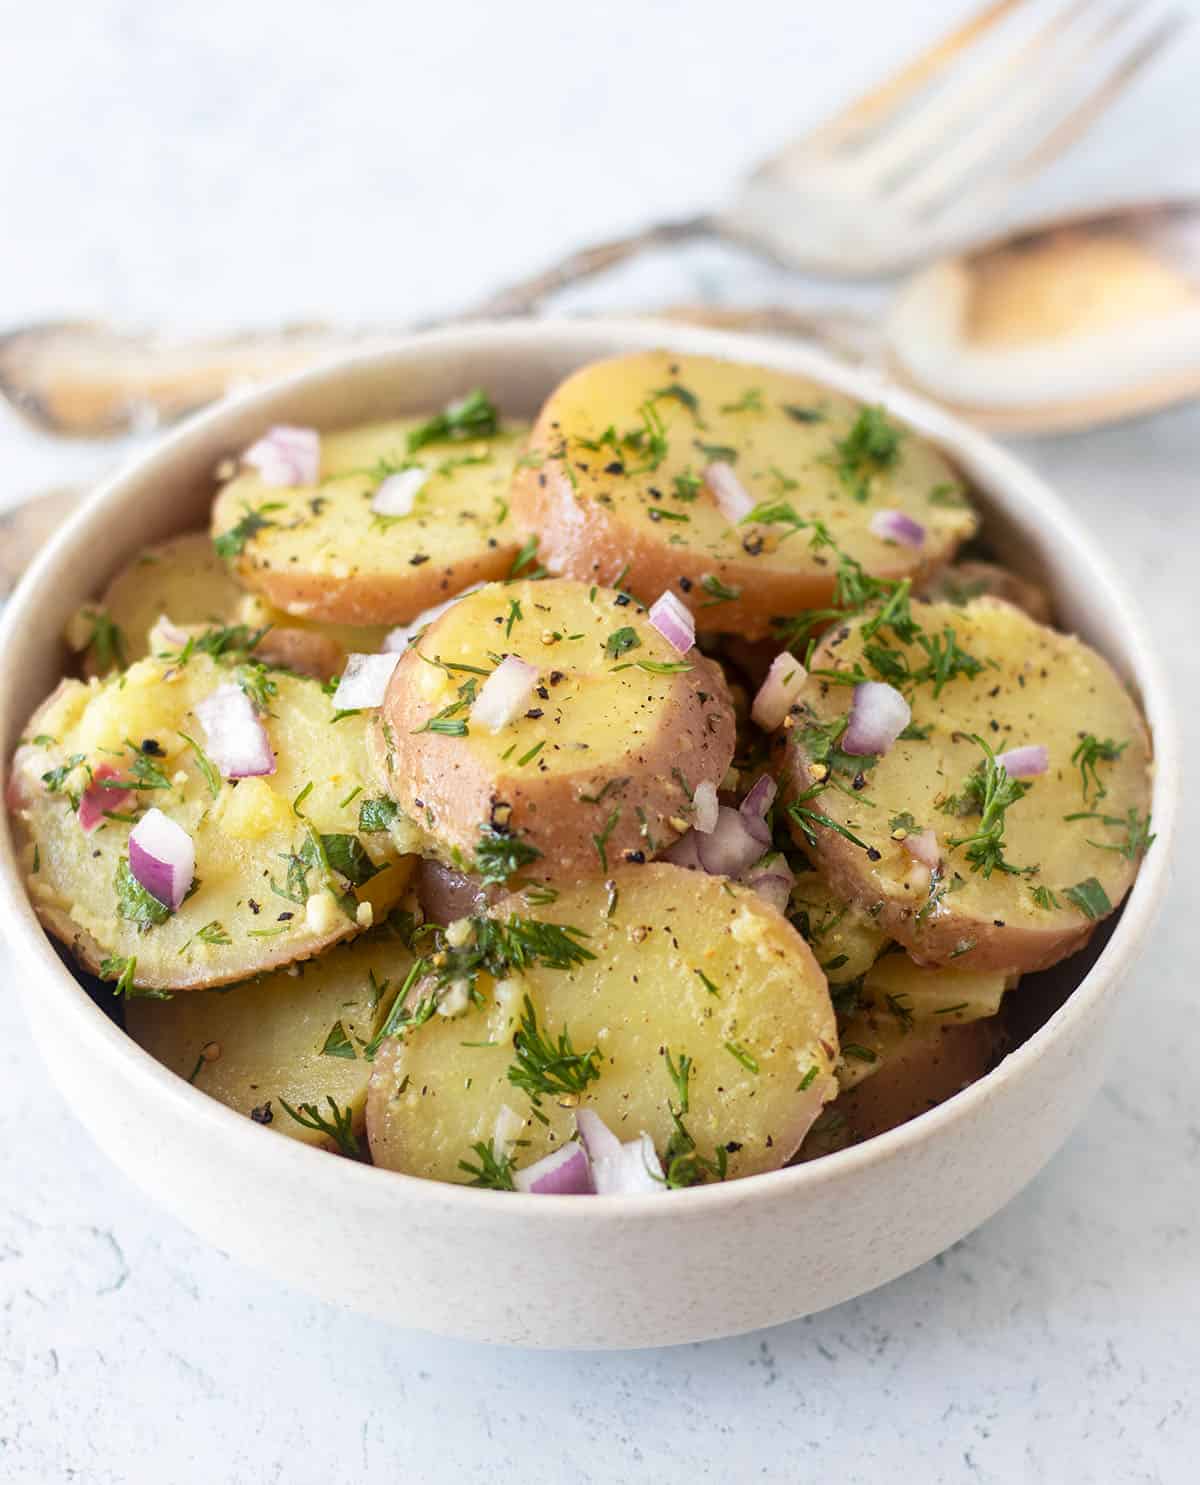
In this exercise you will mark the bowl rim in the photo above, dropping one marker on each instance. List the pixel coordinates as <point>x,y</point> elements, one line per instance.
<point>1023,491</point>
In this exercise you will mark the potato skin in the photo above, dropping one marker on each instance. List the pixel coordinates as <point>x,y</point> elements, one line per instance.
<point>962,581</point>
<point>1042,687</point>
<point>434,1095</point>
<point>267,1037</point>
<point>622,749</point>
<point>594,521</point>
<point>325,556</point>
<point>243,834</point>
<point>922,1070</point>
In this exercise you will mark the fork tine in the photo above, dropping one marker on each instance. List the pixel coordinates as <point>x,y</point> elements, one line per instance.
<point>1081,118</point>
<point>1041,92</point>
<point>965,94</point>
<point>880,101</point>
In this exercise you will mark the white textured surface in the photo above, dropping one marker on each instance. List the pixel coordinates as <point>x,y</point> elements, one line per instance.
<point>263,163</point>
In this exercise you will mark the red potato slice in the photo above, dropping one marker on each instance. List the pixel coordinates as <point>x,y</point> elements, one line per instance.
<point>603,756</point>
<point>691,965</point>
<point>1033,686</point>
<point>322,553</point>
<point>962,581</point>
<point>630,506</point>
<point>253,906</point>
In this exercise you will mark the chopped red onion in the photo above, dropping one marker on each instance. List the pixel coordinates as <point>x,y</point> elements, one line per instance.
<point>685,852</point>
<point>896,526</point>
<point>674,622</point>
<point>236,739</point>
<point>504,694</point>
<point>754,807</point>
<point>878,715</point>
<point>1029,762</point>
<point>162,858</point>
<point>567,1171</point>
<point>731,847</point>
<point>286,456</point>
<point>705,807</point>
<point>95,799</point>
<point>924,847</point>
<point>782,685</point>
<point>396,494</point>
<point>364,681</point>
<point>619,1170</point>
<point>773,879</point>
<point>732,497</point>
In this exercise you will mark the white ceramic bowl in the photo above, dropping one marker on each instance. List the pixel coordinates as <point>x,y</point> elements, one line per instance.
<point>558,1271</point>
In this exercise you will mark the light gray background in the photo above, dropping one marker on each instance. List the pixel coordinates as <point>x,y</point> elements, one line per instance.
<point>238,163</point>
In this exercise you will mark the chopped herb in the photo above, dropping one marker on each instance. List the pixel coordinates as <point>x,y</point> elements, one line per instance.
<point>1044,898</point>
<point>601,841</point>
<point>531,754</point>
<point>750,401</point>
<point>990,792</point>
<point>707,983</point>
<point>514,616</point>
<point>106,643</point>
<point>346,855</point>
<point>859,1052</point>
<point>948,496</point>
<point>739,1054</point>
<point>339,1128</point>
<point>121,970</point>
<point>257,685</point>
<point>205,765</point>
<point>1090,898</point>
<point>717,591</point>
<point>232,543</point>
<point>472,416</point>
<point>525,556</point>
<point>662,667</point>
<point>679,394</point>
<point>620,642</point>
<point>1090,752</point>
<point>492,1173</point>
<point>686,486</point>
<point>871,445</point>
<point>498,856</point>
<point>718,453</point>
<point>134,903</point>
<point>1138,836</point>
<point>56,778</point>
<point>546,1067</point>
<point>807,1080</point>
<point>338,1044</point>
<point>376,815</point>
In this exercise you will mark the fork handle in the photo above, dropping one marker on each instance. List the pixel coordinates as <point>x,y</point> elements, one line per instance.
<point>524,296</point>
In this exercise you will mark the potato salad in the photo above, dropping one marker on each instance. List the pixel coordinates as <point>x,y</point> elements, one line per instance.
<point>657,794</point>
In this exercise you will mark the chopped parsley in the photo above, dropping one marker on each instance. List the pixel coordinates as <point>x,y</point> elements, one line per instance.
<point>338,1044</point>
<point>134,903</point>
<point>871,445</point>
<point>106,642</point>
<point>621,641</point>
<point>376,815</point>
<point>717,591</point>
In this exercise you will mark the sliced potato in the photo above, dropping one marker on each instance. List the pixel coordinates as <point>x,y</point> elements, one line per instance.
<point>690,965</point>
<point>962,581</point>
<point>602,760</point>
<point>1053,875</point>
<point>256,903</point>
<point>184,581</point>
<point>844,936</point>
<point>899,1000</point>
<point>632,500</point>
<point>324,554</point>
<point>182,578</point>
<point>921,1070</point>
<point>298,1035</point>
